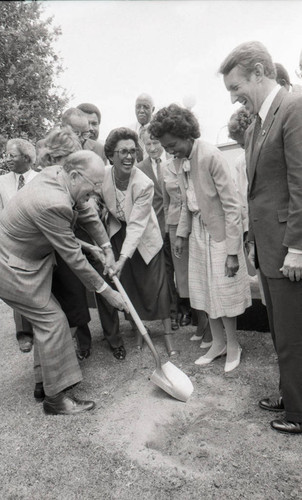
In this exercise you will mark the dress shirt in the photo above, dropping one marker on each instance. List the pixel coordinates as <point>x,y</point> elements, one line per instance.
<point>154,164</point>
<point>26,176</point>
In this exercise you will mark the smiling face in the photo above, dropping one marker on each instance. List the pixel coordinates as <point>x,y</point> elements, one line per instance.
<point>153,147</point>
<point>94,126</point>
<point>245,90</point>
<point>176,146</point>
<point>124,157</point>
<point>86,183</point>
<point>15,160</point>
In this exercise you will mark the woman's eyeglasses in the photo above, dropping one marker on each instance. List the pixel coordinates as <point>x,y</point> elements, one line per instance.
<point>126,152</point>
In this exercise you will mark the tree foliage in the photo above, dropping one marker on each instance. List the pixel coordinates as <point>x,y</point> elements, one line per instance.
<point>30,100</point>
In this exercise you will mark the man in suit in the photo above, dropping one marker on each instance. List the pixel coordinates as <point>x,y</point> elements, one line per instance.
<point>93,114</point>
<point>274,164</point>
<point>37,222</point>
<point>20,157</point>
<point>144,108</point>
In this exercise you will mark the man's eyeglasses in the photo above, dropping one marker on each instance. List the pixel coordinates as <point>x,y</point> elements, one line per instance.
<point>96,185</point>
<point>83,135</point>
<point>126,152</point>
<point>7,156</point>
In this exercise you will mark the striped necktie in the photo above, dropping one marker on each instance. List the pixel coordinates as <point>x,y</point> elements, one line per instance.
<point>21,182</point>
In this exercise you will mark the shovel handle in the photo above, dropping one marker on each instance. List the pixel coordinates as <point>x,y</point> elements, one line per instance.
<point>140,325</point>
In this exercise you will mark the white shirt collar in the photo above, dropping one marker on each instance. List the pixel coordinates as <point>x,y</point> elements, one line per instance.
<point>268,102</point>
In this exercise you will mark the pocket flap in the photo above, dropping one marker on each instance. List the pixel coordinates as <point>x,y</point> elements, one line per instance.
<point>282,215</point>
<point>26,265</point>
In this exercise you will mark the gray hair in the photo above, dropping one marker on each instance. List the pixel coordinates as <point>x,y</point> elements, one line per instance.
<point>25,148</point>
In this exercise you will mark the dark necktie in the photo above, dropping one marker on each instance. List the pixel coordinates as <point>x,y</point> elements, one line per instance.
<point>159,172</point>
<point>21,182</point>
<point>257,129</point>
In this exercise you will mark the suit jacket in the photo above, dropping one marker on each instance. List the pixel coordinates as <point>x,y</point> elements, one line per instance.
<point>275,182</point>
<point>143,231</point>
<point>174,195</point>
<point>216,196</point>
<point>8,186</point>
<point>97,147</point>
<point>158,205</point>
<point>37,221</point>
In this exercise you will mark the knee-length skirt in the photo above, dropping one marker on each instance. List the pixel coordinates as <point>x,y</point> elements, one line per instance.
<point>145,284</point>
<point>210,290</point>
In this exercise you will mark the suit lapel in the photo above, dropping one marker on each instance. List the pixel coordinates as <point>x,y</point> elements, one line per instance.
<point>253,155</point>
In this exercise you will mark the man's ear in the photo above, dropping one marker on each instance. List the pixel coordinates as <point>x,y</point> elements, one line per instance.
<point>259,70</point>
<point>73,175</point>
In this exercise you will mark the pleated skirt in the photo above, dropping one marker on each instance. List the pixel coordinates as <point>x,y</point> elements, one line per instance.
<point>210,290</point>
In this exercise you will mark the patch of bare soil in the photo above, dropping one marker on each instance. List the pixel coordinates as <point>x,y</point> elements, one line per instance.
<point>140,443</point>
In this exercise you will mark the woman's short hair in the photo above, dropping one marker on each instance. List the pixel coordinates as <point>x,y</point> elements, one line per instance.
<point>174,120</point>
<point>246,56</point>
<point>59,143</point>
<point>238,123</point>
<point>25,148</point>
<point>116,135</point>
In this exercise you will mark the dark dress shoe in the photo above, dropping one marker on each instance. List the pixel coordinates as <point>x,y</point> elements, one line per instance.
<point>119,352</point>
<point>61,404</point>
<point>174,324</point>
<point>39,393</point>
<point>25,341</point>
<point>272,405</point>
<point>287,427</point>
<point>83,354</point>
<point>185,320</point>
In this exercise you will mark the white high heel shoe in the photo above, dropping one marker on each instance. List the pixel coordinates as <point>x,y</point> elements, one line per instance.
<point>203,360</point>
<point>231,366</point>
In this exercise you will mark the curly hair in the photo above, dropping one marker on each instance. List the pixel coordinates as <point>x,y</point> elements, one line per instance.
<point>176,121</point>
<point>116,135</point>
<point>25,148</point>
<point>238,123</point>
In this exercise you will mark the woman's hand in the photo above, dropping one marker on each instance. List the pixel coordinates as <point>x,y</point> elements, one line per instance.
<point>97,254</point>
<point>116,269</point>
<point>231,266</point>
<point>178,246</point>
<point>109,260</point>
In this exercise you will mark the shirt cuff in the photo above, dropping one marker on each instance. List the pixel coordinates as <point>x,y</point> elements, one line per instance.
<point>102,289</point>
<point>294,250</point>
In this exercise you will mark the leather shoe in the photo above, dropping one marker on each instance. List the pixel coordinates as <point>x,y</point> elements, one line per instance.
<point>83,354</point>
<point>61,404</point>
<point>272,405</point>
<point>174,324</point>
<point>25,341</point>
<point>185,319</point>
<point>39,393</point>
<point>287,427</point>
<point>119,352</point>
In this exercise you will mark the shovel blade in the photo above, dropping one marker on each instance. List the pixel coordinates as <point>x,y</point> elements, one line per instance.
<point>173,381</point>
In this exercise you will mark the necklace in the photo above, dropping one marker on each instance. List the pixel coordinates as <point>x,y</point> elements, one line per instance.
<point>120,184</point>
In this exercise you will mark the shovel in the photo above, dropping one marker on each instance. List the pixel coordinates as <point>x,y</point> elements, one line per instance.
<point>167,376</point>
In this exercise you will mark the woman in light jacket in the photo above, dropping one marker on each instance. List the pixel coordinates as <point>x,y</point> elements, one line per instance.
<point>211,216</point>
<point>134,231</point>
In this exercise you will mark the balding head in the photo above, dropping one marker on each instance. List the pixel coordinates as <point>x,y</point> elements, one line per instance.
<point>84,173</point>
<point>144,107</point>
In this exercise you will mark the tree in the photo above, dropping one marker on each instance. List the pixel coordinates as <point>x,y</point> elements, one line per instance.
<point>30,101</point>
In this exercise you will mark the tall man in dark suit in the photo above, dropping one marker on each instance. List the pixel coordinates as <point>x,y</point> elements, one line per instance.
<point>274,163</point>
<point>36,222</point>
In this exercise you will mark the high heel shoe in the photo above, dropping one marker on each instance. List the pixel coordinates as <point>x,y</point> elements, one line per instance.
<point>231,366</point>
<point>203,360</point>
<point>205,345</point>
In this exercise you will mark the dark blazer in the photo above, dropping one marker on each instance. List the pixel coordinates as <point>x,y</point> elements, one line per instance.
<point>275,182</point>
<point>35,222</point>
<point>158,203</point>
